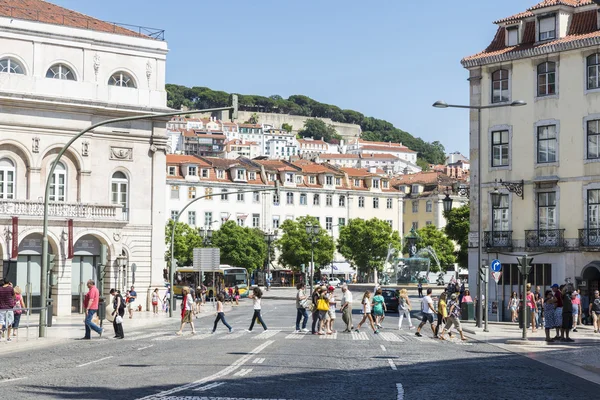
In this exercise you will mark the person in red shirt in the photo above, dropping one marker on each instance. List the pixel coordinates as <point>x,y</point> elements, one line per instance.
<point>90,305</point>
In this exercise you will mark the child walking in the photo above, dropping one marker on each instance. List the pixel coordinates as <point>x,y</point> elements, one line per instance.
<point>155,300</point>
<point>256,297</point>
<point>221,314</point>
<point>366,302</point>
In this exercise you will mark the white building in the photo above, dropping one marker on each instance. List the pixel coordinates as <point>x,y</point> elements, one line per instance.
<point>311,148</point>
<point>279,144</point>
<point>58,79</point>
<point>360,146</point>
<point>389,163</point>
<point>236,148</point>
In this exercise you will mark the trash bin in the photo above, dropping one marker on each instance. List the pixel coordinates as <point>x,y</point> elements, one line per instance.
<point>49,311</point>
<point>101,310</point>
<point>467,311</point>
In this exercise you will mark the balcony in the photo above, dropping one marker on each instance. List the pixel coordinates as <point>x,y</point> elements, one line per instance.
<point>547,239</point>
<point>590,238</point>
<point>498,239</point>
<point>76,211</point>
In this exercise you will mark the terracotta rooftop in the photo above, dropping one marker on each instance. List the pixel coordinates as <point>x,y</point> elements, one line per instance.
<point>384,156</point>
<point>184,159</point>
<point>546,3</point>
<point>423,178</point>
<point>48,13</point>
<point>361,172</point>
<point>338,156</point>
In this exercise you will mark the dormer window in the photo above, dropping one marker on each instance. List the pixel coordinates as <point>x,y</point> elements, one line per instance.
<point>299,179</point>
<point>220,174</point>
<point>415,189</point>
<point>375,183</point>
<point>329,180</point>
<point>289,177</point>
<point>512,35</point>
<point>172,170</point>
<point>241,174</point>
<point>252,175</point>
<point>204,173</point>
<point>384,184</point>
<point>311,180</point>
<point>338,181</point>
<point>192,170</point>
<point>547,28</point>
<point>357,182</point>
<point>271,177</point>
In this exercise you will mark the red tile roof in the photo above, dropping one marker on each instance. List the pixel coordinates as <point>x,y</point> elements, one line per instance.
<point>48,13</point>
<point>338,156</point>
<point>384,156</point>
<point>184,159</point>
<point>544,4</point>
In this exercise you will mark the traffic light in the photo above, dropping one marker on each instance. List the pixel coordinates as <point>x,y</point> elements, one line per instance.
<point>483,273</point>
<point>51,258</point>
<point>233,102</point>
<point>525,264</point>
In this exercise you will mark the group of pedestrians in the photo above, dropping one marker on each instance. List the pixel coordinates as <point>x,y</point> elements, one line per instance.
<point>448,314</point>
<point>11,307</point>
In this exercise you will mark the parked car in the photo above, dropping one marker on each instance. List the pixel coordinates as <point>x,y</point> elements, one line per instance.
<point>335,282</point>
<point>390,296</point>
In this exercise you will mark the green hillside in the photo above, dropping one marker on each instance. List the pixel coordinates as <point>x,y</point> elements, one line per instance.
<point>373,129</point>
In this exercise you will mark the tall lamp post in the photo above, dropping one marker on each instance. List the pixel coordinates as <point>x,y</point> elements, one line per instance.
<point>269,238</point>
<point>443,104</point>
<point>206,234</point>
<point>312,231</point>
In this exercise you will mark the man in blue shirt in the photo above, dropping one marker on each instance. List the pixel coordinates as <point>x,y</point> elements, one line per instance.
<point>132,297</point>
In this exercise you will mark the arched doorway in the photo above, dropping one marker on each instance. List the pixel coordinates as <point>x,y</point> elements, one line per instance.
<point>591,275</point>
<point>28,271</point>
<point>84,266</point>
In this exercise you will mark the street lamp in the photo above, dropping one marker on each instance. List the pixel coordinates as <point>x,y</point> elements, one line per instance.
<point>447,202</point>
<point>206,233</point>
<point>312,231</point>
<point>443,104</point>
<point>269,238</point>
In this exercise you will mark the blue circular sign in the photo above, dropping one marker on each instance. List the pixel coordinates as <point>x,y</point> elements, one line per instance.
<point>496,266</point>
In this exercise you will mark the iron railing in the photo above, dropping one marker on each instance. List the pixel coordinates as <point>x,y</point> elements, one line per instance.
<point>498,239</point>
<point>545,238</point>
<point>80,21</point>
<point>589,237</point>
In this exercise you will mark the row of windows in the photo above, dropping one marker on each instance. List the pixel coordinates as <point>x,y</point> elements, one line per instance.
<point>415,206</point>
<point>546,144</point>
<point>64,72</point>
<point>58,184</point>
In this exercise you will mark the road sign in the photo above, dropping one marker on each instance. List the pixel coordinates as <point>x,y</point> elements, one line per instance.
<point>497,276</point>
<point>495,266</point>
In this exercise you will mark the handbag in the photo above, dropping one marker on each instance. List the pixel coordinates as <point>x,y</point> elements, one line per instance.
<point>322,305</point>
<point>119,319</point>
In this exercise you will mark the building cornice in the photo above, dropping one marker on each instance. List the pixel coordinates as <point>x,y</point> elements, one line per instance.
<point>532,52</point>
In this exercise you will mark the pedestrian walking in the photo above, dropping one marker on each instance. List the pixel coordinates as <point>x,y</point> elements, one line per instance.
<point>366,306</point>
<point>256,297</point>
<point>549,314</point>
<point>331,312</point>
<point>420,289</point>
<point>567,315</point>
<point>404,307</point>
<point>118,313</point>
<point>378,308</point>
<point>442,312</point>
<point>576,302</point>
<point>513,304</point>
<point>323,308</point>
<point>221,314</point>
<point>302,303</point>
<point>18,310</point>
<point>453,318</point>
<point>198,300</point>
<point>167,299</point>
<point>316,294</point>
<point>130,301</point>
<point>346,308</point>
<point>7,302</point>
<point>90,304</point>
<point>187,306</point>
<point>558,311</point>
<point>539,307</point>
<point>428,312</point>
<point>236,295</point>
<point>155,300</point>
<point>594,311</point>
<point>531,307</point>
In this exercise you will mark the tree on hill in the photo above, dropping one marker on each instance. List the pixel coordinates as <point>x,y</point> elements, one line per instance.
<point>287,127</point>
<point>318,129</point>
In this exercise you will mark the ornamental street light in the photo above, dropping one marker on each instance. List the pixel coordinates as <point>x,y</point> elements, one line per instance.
<point>269,238</point>
<point>312,231</point>
<point>44,287</point>
<point>443,104</point>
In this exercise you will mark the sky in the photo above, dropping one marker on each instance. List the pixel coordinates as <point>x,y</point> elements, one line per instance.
<point>389,59</point>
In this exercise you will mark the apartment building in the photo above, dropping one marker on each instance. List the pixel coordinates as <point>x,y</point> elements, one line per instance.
<point>547,153</point>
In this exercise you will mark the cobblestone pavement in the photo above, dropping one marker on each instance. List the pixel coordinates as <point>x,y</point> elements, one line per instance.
<point>154,363</point>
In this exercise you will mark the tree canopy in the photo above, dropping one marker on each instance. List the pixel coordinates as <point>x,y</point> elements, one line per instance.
<point>318,129</point>
<point>295,246</point>
<point>373,129</point>
<point>186,239</point>
<point>457,229</point>
<point>431,236</point>
<point>240,246</point>
<point>366,242</point>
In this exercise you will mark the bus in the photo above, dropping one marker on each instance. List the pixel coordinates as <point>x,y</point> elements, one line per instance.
<point>215,280</point>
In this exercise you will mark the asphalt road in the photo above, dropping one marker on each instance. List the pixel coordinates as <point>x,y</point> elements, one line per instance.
<point>277,364</point>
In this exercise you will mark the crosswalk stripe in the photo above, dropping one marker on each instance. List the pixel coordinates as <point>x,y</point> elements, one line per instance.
<point>390,337</point>
<point>333,336</point>
<point>166,338</point>
<point>149,335</point>
<point>243,372</point>
<point>296,336</point>
<point>232,336</point>
<point>359,336</point>
<point>198,336</point>
<point>266,334</point>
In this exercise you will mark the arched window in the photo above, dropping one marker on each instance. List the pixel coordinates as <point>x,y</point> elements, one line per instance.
<point>119,191</point>
<point>546,78</point>
<point>121,79</point>
<point>11,66</point>
<point>7,179</point>
<point>58,183</point>
<point>593,71</point>
<point>60,71</point>
<point>500,86</point>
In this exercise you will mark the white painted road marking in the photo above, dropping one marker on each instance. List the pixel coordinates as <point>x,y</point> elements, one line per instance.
<point>359,336</point>
<point>258,361</point>
<point>208,387</point>
<point>144,348</point>
<point>13,379</point>
<point>199,336</point>
<point>148,335</point>
<point>266,334</point>
<point>224,372</point>
<point>400,391</point>
<point>232,336</point>
<point>165,338</point>
<point>392,365</point>
<point>296,336</point>
<point>383,347</point>
<point>331,337</point>
<point>95,361</point>
<point>243,372</point>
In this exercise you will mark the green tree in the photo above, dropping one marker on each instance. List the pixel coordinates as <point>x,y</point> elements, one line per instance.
<point>287,127</point>
<point>295,247</point>
<point>457,228</point>
<point>431,236</point>
<point>253,119</point>
<point>240,246</point>
<point>366,242</point>
<point>186,239</point>
<point>318,129</point>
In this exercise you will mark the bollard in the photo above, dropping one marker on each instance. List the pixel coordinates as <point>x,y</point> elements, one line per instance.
<point>49,311</point>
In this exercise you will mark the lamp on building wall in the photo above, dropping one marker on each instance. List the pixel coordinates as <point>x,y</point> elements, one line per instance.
<point>496,198</point>
<point>513,187</point>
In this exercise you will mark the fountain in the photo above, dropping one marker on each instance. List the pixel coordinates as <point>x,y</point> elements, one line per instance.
<point>410,270</point>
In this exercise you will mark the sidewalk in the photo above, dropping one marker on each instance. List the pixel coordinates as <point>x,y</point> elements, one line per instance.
<point>71,327</point>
